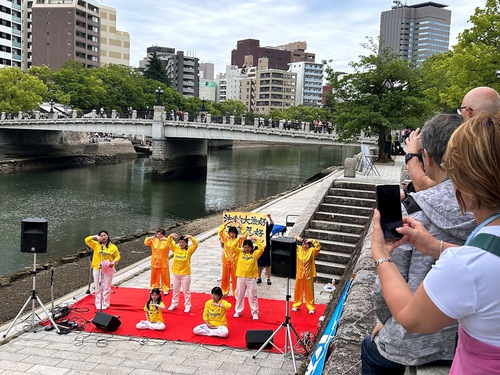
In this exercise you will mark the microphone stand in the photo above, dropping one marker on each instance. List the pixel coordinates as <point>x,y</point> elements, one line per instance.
<point>101,291</point>
<point>90,253</point>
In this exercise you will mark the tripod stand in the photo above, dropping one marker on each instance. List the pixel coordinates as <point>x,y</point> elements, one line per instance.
<point>288,333</point>
<point>32,298</point>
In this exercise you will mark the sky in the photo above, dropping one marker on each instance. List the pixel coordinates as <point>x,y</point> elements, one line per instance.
<point>209,29</point>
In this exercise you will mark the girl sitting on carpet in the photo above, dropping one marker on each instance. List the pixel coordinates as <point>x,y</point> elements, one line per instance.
<point>181,268</point>
<point>214,316</point>
<point>154,318</point>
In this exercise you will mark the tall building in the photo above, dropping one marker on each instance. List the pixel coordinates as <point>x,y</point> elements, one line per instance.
<point>184,73</point>
<point>65,30</point>
<point>115,44</point>
<point>10,33</point>
<point>416,32</point>
<point>249,51</point>
<point>207,71</point>
<point>309,83</point>
<point>163,53</point>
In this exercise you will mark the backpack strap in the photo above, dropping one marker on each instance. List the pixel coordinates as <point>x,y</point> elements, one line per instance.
<point>488,242</point>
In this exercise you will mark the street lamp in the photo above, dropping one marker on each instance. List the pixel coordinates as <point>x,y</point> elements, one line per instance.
<point>51,102</point>
<point>203,109</point>
<point>159,92</point>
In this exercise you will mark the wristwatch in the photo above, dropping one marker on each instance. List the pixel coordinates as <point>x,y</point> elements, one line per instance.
<point>408,156</point>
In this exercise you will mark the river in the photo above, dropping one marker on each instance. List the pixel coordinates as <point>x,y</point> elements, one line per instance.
<point>122,198</point>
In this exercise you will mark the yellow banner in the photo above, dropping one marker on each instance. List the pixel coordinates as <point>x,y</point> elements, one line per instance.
<point>254,222</point>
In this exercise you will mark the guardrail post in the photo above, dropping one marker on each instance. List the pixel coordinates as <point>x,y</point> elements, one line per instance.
<point>281,124</point>
<point>134,114</point>
<point>37,114</point>
<point>93,114</point>
<point>256,122</point>
<point>158,112</point>
<point>74,113</point>
<point>231,120</point>
<point>113,113</point>
<point>243,121</point>
<point>186,116</point>
<point>209,118</point>
<point>2,116</point>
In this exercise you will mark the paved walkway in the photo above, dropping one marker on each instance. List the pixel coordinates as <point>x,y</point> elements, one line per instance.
<point>49,353</point>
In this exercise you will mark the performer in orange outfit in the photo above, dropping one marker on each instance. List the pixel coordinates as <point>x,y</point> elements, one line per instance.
<point>229,260</point>
<point>160,275</point>
<point>306,272</point>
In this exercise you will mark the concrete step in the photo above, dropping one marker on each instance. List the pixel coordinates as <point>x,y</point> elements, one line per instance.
<point>349,201</point>
<point>337,246</point>
<point>353,185</point>
<point>347,210</point>
<point>336,226</point>
<point>330,268</point>
<point>321,235</point>
<point>322,277</point>
<point>341,218</point>
<point>352,193</point>
<point>333,256</point>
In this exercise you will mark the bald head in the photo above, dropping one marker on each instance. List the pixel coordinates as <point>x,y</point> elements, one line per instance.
<point>480,100</point>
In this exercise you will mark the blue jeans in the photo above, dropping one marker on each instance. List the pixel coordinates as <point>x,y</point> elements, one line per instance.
<point>372,362</point>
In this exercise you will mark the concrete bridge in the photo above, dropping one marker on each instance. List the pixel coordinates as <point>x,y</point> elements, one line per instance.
<point>175,144</point>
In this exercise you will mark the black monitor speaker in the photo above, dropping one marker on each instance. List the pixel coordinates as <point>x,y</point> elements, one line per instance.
<point>256,338</point>
<point>106,322</point>
<point>283,256</point>
<point>34,235</point>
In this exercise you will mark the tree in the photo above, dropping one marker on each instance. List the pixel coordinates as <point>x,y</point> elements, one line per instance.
<point>20,92</point>
<point>472,62</point>
<point>231,107</point>
<point>156,71</point>
<point>384,93</point>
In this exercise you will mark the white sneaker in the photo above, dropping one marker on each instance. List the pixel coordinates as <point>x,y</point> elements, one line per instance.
<point>165,293</point>
<point>311,311</point>
<point>236,315</point>
<point>187,309</point>
<point>295,309</point>
<point>255,316</point>
<point>172,308</point>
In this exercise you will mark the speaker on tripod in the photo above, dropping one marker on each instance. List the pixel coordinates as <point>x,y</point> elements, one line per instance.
<point>33,235</point>
<point>284,257</point>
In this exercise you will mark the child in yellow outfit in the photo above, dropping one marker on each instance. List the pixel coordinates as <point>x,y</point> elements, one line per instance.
<point>181,269</point>
<point>214,315</point>
<point>153,309</point>
<point>229,262</point>
<point>306,272</point>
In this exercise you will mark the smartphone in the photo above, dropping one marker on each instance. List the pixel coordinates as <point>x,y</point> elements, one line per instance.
<point>389,206</point>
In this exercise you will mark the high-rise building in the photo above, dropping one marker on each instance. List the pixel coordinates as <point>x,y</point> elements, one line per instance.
<point>65,30</point>
<point>207,71</point>
<point>416,32</point>
<point>309,83</point>
<point>10,33</point>
<point>249,51</point>
<point>115,44</point>
<point>184,73</point>
<point>163,53</point>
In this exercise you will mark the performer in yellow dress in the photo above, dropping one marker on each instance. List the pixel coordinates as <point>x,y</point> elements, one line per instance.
<point>306,272</point>
<point>160,275</point>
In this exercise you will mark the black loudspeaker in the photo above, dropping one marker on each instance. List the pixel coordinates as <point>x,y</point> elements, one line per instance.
<point>106,321</point>
<point>33,235</point>
<point>256,338</point>
<point>283,256</point>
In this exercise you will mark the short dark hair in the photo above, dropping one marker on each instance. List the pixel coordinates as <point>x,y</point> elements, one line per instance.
<point>217,291</point>
<point>248,243</point>
<point>232,229</point>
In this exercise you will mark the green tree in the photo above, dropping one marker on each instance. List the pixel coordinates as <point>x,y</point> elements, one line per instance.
<point>384,93</point>
<point>472,62</point>
<point>84,88</point>
<point>20,92</point>
<point>231,107</point>
<point>156,71</point>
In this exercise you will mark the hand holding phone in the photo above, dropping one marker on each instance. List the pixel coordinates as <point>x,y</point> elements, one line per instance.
<point>389,206</point>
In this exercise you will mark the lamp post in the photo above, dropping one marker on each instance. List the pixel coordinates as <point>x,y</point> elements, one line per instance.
<point>51,102</point>
<point>158,92</point>
<point>203,113</point>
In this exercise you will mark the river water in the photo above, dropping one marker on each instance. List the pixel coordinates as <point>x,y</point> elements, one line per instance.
<point>122,198</point>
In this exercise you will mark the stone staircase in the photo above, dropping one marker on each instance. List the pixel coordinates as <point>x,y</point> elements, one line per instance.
<point>339,224</point>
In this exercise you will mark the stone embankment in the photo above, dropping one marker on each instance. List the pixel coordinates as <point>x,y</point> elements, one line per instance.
<point>69,150</point>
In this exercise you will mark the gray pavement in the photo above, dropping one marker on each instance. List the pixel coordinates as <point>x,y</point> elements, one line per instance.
<point>44,352</point>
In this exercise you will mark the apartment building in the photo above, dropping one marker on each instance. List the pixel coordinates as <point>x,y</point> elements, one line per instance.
<point>115,44</point>
<point>10,33</point>
<point>309,89</point>
<point>163,53</point>
<point>184,73</point>
<point>416,32</point>
<point>65,30</point>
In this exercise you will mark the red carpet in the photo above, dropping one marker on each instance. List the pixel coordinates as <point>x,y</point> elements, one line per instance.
<point>128,303</point>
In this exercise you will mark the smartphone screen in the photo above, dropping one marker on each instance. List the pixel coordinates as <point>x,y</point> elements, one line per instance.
<point>389,205</point>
